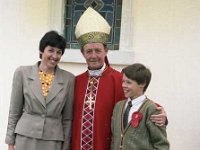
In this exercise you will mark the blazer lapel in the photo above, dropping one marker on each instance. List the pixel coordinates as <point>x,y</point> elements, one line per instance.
<point>122,115</point>
<point>56,86</point>
<point>141,109</point>
<point>36,85</point>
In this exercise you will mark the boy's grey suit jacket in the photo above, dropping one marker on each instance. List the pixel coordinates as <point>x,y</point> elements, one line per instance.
<point>34,116</point>
<point>146,136</point>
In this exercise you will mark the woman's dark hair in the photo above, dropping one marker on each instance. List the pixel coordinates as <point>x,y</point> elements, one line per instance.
<point>52,38</point>
<point>139,73</point>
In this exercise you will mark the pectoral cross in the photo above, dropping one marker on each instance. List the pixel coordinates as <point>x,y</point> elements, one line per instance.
<point>90,101</point>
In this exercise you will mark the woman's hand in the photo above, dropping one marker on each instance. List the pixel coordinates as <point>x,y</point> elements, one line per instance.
<point>11,147</point>
<point>160,119</point>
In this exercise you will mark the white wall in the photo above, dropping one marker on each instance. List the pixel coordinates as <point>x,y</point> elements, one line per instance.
<point>22,23</point>
<point>166,37</point>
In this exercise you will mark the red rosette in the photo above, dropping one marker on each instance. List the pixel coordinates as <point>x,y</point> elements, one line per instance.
<point>136,117</point>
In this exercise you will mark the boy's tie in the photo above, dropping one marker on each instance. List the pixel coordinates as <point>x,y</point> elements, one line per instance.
<point>126,113</point>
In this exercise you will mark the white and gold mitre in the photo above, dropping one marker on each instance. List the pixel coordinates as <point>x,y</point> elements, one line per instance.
<point>92,28</point>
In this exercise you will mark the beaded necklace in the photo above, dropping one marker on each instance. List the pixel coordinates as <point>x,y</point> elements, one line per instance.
<point>46,81</point>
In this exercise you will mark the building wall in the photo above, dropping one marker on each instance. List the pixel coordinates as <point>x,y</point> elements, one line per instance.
<point>166,37</point>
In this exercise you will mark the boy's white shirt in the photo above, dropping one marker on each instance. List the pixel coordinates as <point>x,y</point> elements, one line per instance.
<point>136,103</point>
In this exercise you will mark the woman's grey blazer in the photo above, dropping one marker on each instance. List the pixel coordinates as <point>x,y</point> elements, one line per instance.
<point>34,116</point>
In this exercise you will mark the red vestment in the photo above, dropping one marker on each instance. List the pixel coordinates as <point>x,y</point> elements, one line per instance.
<point>109,92</point>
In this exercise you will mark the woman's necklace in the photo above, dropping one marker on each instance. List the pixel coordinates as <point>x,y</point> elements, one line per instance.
<point>46,81</point>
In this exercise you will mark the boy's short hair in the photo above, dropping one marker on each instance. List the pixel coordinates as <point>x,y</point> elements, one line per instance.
<point>139,73</point>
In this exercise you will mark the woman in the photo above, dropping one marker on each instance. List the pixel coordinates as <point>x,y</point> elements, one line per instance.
<point>41,101</point>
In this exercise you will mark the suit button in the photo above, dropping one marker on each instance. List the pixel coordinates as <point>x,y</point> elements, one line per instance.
<point>43,116</point>
<point>121,135</point>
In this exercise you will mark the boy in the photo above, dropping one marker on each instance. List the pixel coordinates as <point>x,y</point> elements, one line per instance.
<point>131,124</point>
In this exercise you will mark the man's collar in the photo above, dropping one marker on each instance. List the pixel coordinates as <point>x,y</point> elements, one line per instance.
<point>97,72</point>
